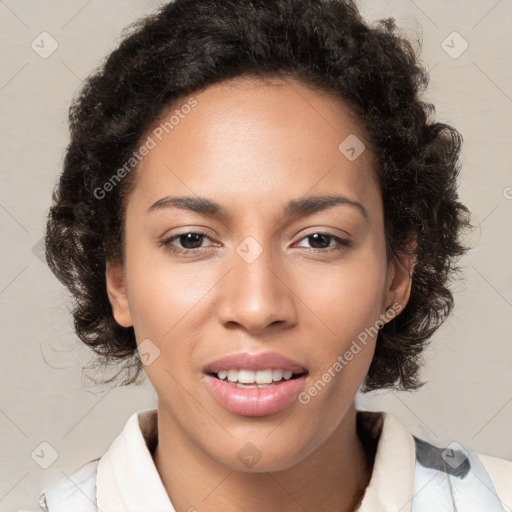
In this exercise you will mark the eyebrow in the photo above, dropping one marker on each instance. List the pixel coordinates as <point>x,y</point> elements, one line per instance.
<point>295,208</point>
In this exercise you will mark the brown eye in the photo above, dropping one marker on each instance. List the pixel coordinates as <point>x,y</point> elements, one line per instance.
<point>189,242</point>
<point>322,242</point>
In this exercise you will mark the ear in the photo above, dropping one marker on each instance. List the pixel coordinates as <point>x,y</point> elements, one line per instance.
<point>116,291</point>
<point>399,280</point>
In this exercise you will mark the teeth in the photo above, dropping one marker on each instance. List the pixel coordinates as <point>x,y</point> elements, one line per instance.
<point>277,375</point>
<point>244,376</point>
<point>263,377</point>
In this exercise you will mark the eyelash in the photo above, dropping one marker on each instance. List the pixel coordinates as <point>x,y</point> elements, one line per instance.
<point>343,243</point>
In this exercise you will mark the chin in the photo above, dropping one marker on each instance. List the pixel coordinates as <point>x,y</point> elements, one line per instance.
<point>261,456</point>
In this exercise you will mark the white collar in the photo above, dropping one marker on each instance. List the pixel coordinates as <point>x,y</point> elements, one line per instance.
<point>128,481</point>
<point>392,482</point>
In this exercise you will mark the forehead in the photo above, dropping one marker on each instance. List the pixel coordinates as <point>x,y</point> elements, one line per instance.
<point>258,138</point>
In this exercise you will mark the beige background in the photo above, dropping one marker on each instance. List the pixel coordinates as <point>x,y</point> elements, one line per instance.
<point>468,397</point>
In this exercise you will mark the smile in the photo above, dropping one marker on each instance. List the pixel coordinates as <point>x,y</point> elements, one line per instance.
<point>255,385</point>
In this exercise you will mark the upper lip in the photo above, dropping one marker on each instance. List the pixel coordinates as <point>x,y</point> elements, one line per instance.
<point>254,362</point>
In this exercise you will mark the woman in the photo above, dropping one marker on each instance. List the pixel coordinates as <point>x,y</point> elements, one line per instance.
<point>258,212</point>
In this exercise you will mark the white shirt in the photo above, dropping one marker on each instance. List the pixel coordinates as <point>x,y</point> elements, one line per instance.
<point>126,479</point>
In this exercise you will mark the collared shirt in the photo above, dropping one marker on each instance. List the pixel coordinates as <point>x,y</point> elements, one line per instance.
<point>126,479</point>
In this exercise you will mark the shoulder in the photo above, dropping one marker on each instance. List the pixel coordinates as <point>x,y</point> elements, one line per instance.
<point>458,477</point>
<point>413,475</point>
<point>72,492</point>
<point>82,490</point>
<point>500,472</point>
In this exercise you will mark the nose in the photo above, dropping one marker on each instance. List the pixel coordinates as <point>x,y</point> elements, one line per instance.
<point>256,295</point>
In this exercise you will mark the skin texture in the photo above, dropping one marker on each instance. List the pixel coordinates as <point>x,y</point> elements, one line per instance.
<point>252,147</point>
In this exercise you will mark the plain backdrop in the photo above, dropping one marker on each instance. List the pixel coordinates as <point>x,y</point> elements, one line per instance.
<point>43,396</point>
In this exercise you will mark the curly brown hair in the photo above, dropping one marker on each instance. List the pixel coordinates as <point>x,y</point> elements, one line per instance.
<point>190,44</point>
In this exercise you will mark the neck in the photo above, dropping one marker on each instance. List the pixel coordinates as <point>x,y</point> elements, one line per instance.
<point>332,477</point>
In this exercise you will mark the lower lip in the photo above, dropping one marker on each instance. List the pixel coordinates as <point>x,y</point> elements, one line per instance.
<point>255,401</point>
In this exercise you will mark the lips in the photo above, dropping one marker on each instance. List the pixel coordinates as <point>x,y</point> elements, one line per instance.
<point>260,399</point>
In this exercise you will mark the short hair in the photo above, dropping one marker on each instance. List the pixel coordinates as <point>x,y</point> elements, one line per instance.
<point>188,45</point>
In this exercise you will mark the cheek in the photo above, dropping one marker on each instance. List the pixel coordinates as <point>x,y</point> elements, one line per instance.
<point>170,305</point>
<point>343,349</point>
<point>163,295</point>
<point>347,304</point>
<point>346,298</point>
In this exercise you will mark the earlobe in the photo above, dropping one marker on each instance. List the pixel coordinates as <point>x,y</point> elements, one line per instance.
<point>116,291</point>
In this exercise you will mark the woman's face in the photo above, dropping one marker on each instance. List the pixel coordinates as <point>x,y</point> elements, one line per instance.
<point>275,267</point>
